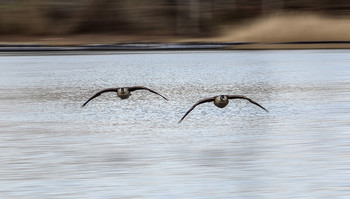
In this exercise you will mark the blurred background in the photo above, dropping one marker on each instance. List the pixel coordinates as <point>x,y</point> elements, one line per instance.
<point>169,20</point>
<point>53,148</point>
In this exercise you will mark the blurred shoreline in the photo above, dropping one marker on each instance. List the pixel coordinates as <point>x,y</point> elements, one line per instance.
<point>278,31</point>
<point>66,44</point>
<point>273,31</point>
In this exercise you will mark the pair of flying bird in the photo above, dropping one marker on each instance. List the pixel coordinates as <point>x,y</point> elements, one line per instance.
<point>220,101</point>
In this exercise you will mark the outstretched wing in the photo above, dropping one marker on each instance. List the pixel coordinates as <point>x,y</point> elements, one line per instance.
<point>246,98</point>
<point>99,93</point>
<point>196,104</point>
<point>134,88</point>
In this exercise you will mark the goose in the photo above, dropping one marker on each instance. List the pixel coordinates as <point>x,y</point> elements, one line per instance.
<point>122,92</point>
<point>221,101</point>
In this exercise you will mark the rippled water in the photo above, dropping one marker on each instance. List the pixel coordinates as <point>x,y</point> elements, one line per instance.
<point>51,147</point>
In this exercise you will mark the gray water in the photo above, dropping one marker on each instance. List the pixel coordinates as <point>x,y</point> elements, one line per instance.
<point>51,147</point>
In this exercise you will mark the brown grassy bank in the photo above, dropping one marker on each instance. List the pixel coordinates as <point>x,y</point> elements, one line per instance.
<point>289,27</point>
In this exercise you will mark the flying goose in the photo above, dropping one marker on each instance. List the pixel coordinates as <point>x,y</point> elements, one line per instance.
<point>122,92</point>
<point>221,101</point>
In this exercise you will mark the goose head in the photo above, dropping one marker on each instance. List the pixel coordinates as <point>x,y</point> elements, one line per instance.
<point>223,97</point>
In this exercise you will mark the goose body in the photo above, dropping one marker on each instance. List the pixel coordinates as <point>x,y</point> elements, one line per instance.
<point>221,101</point>
<point>123,92</point>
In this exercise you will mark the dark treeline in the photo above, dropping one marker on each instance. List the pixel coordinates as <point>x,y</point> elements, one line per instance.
<point>159,17</point>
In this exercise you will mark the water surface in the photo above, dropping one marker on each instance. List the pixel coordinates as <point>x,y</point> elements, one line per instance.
<point>51,147</point>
